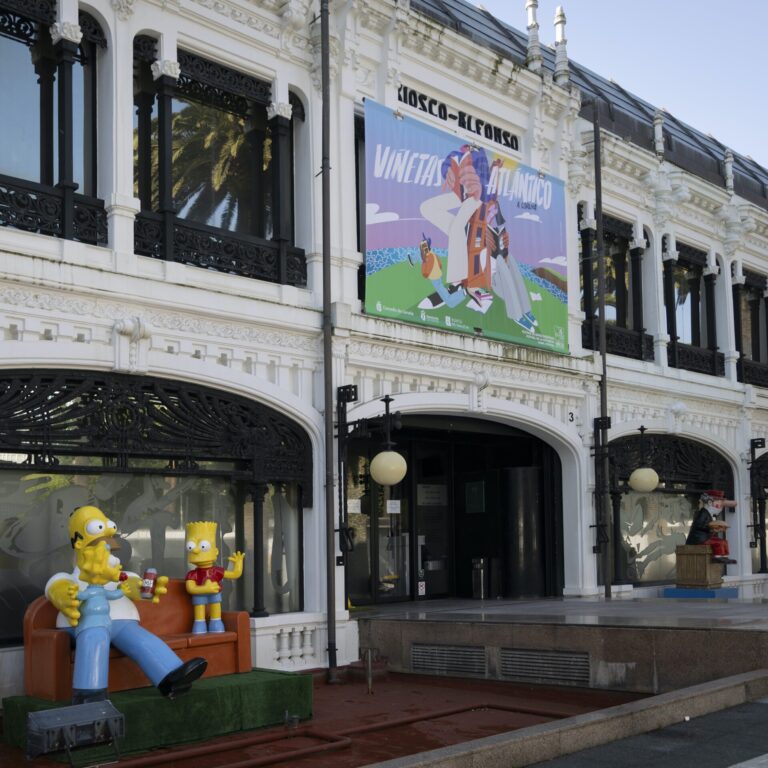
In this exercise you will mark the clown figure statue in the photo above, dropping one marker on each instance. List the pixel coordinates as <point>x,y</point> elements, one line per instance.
<point>204,580</point>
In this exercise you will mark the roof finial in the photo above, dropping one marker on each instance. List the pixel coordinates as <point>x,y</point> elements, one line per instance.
<point>728,160</point>
<point>561,55</point>
<point>658,133</point>
<point>534,48</point>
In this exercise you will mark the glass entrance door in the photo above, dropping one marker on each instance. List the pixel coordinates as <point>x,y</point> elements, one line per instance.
<point>379,519</point>
<point>433,520</point>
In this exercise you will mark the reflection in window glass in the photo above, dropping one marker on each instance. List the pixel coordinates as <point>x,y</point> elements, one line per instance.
<point>652,526</point>
<point>618,285</point>
<point>358,570</point>
<point>150,510</point>
<point>222,168</point>
<point>20,116</point>
<point>24,85</point>
<point>282,549</point>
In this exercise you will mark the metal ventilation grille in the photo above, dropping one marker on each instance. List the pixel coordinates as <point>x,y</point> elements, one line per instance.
<point>545,666</point>
<point>448,659</point>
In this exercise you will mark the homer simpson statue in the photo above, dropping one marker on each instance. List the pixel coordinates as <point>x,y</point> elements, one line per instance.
<point>95,604</point>
<point>204,580</point>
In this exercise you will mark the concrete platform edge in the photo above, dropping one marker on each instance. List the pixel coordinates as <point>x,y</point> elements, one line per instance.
<point>517,749</point>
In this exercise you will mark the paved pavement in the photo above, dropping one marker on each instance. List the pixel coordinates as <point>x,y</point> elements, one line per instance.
<point>648,612</point>
<point>726,739</point>
<point>732,738</point>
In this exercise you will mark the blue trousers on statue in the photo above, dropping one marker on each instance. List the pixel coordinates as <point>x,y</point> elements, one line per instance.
<point>149,652</point>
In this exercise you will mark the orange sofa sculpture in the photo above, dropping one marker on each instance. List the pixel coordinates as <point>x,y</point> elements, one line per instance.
<point>49,653</point>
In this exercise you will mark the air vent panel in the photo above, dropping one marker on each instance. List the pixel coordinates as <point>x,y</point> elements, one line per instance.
<point>538,666</point>
<point>448,659</point>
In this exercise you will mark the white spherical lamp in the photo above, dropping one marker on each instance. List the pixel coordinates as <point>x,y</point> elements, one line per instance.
<point>388,468</point>
<point>644,480</point>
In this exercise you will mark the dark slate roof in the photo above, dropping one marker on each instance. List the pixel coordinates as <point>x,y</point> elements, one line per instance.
<point>621,112</point>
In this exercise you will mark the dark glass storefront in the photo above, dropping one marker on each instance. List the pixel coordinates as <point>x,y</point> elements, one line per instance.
<point>475,490</point>
<point>153,455</point>
<point>647,527</point>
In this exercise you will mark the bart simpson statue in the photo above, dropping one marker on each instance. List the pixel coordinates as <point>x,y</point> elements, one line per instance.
<point>204,580</point>
<point>97,612</point>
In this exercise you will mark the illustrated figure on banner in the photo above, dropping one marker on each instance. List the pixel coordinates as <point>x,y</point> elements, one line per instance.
<point>95,604</point>
<point>479,258</point>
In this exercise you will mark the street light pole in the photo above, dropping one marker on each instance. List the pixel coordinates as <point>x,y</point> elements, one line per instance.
<point>325,168</point>
<point>602,465</point>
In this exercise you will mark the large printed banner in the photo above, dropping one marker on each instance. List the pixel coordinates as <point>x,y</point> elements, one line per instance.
<point>462,238</point>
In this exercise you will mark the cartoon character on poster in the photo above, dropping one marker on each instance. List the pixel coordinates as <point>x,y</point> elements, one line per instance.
<point>461,237</point>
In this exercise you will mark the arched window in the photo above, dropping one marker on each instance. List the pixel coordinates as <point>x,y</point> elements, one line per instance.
<point>625,331</point>
<point>213,170</point>
<point>689,300</point>
<point>48,125</point>
<point>647,527</point>
<point>154,455</point>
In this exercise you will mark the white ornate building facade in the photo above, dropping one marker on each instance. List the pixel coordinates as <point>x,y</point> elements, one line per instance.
<point>161,313</point>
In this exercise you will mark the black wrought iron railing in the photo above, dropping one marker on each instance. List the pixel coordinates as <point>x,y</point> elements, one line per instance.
<point>212,248</point>
<point>619,341</point>
<point>39,208</point>
<point>697,359</point>
<point>752,372</point>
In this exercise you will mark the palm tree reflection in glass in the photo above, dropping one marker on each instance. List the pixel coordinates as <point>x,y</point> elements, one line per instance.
<point>221,167</point>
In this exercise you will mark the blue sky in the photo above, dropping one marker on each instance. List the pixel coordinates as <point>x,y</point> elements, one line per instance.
<point>702,60</point>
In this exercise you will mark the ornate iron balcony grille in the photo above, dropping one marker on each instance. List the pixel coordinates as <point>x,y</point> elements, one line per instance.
<point>39,208</point>
<point>212,248</point>
<point>751,372</point>
<point>47,414</point>
<point>619,341</point>
<point>697,359</point>
<point>682,464</point>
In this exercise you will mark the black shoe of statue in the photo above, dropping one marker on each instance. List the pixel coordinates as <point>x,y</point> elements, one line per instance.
<point>87,695</point>
<point>180,680</point>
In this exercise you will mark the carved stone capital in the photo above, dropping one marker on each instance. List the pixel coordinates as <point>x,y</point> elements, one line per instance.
<point>279,109</point>
<point>123,8</point>
<point>166,68</point>
<point>294,13</point>
<point>65,30</point>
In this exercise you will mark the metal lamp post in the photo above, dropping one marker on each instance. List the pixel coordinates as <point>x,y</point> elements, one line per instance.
<point>387,468</point>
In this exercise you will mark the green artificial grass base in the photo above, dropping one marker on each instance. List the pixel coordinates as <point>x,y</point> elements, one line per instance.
<point>213,707</point>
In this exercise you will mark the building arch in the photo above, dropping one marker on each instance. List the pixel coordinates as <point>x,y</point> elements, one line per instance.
<point>443,421</point>
<point>647,527</point>
<point>154,453</point>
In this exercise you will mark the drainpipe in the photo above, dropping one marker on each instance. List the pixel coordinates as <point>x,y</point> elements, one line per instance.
<point>330,541</point>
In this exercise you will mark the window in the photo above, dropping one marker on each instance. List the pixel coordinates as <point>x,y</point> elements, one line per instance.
<point>647,527</point>
<point>689,298</point>
<point>214,174</point>
<point>625,334</point>
<point>618,282</point>
<point>153,455</point>
<point>690,303</point>
<point>47,169</point>
<point>751,325</point>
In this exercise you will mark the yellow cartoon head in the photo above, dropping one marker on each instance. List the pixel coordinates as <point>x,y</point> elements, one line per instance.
<point>88,526</point>
<point>89,533</point>
<point>201,543</point>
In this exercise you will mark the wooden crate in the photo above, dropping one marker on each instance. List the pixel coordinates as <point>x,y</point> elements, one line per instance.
<point>695,567</point>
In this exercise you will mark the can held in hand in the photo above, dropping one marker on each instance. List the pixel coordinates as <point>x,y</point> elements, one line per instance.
<point>148,584</point>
